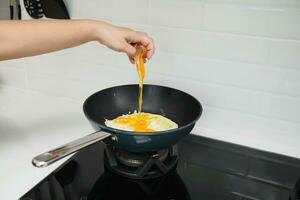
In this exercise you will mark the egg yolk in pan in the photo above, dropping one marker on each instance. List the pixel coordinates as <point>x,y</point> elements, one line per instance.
<point>141,122</point>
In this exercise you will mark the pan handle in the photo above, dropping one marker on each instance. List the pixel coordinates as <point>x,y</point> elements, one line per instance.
<point>53,155</point>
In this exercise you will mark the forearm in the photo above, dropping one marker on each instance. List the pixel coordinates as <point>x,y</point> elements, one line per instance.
<point>32,37</point>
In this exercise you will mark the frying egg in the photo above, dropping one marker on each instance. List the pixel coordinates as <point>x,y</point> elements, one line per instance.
<point>141,122</point>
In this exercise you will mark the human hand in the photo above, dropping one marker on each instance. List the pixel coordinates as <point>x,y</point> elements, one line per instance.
<point>123,39</point>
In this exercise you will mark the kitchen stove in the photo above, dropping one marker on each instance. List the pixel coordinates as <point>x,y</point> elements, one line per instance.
<point>206,169</point>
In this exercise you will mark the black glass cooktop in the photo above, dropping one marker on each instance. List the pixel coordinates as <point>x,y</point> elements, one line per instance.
<point>207,170</point>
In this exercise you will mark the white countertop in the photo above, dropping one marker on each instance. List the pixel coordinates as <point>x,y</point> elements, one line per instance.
<point>32,123</point>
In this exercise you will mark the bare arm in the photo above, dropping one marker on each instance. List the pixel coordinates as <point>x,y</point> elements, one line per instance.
<point>33,37</point>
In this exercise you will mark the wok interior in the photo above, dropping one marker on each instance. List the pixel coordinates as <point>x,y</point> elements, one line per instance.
<point>171,103</point>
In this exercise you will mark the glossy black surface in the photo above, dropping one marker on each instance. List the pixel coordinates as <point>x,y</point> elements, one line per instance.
<point>55,9</point>
<point>112,102</point>
<point>207,170</point>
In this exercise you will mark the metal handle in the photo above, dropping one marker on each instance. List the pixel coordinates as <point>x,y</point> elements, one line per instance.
<point>53,155</point>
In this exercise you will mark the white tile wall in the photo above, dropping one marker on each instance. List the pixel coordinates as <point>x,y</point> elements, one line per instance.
<point>14,73</point>
<point>12,76</point>
<point>4,13</point>
<point>281,107</point>
<point>249,76</point>
<point>270,22</point>
<point>163,13</point>
<point>240,58</point>
<point>113,9</point>
<point>226,46</point>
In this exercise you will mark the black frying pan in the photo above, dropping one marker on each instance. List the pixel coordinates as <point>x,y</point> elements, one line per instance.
<point>110,103</point>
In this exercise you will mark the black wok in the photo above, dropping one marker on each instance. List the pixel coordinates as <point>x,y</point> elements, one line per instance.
<point>109,103</point>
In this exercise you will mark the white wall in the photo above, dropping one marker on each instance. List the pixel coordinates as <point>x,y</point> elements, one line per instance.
<point>240,58</point>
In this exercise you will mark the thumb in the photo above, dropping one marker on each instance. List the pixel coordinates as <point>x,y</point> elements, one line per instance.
<point>129,49</point>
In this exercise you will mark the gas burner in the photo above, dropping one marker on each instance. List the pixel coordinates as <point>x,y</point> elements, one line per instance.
<point>144,165</point>
<point>132,159</point>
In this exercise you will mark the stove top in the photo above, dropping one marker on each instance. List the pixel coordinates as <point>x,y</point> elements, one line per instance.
<point>207,169</point>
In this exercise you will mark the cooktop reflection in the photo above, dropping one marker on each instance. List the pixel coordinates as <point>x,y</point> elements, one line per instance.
<point>207,169</point>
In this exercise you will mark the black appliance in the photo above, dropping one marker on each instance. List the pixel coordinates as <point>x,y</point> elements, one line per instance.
<point>207,169</point>
<point>55,9</point>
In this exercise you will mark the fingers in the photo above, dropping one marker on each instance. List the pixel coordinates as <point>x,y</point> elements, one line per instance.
<point>144,39</point>
<point>149,44</point>
<point>129,49</point>
<point>131,59</point>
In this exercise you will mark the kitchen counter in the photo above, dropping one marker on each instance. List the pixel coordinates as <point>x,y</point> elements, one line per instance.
<point>32,123</point>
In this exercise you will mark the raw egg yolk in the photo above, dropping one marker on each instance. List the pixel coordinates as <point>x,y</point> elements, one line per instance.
<point>139,122</point>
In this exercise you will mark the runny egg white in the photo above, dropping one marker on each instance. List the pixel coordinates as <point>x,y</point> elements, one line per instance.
<point>141,122</point>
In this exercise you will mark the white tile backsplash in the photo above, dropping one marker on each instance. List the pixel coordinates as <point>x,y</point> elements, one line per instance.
<point>12,76</point>
<point>240,58</point>
<point>236,48</point>
<point>131,11</point>
<point>262,4</point>
<point>162,13</point>
<point>235,19</point>
<point>284,53</point>
<point>14,73</point>
<point>283,23</point>
<point>252,130</point>
<point>270,22</point>
<point>245,124</point>
<point>233,47</point>
<point>61,86</point>
<point>125,11</point>
<point>281,107</point>
<point>264,78</point>
<point>99,9</point>
<point>215,95</point>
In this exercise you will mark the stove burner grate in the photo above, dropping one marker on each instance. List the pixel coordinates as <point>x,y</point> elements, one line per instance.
<point>145,165</point>
<point>137,159</point>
